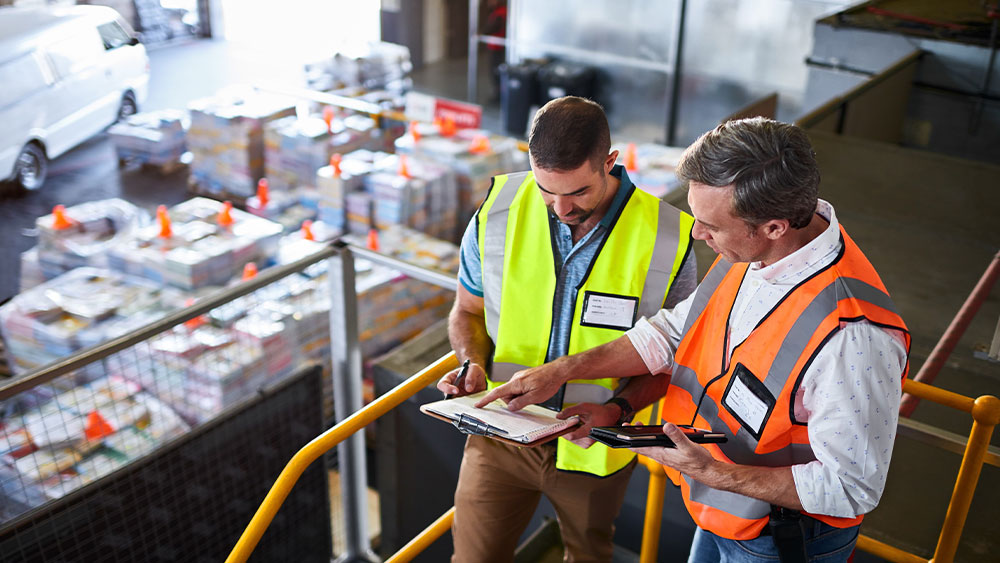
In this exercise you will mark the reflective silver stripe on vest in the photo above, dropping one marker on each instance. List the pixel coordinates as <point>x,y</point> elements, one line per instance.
<point>494,241</point>
<point>661,264</point>
<point>575,392</point>
<point>704,292</point>
<point>731,503</point>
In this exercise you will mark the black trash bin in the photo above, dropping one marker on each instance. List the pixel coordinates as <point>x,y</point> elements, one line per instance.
<point>518,93</point>
<point>564,78</point>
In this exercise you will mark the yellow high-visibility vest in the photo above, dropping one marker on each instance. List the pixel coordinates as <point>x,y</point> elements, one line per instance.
<point>629,277</point>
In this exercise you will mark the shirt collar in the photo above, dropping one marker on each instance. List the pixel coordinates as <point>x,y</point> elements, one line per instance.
<point>624,188</point>
<point>808,259</point>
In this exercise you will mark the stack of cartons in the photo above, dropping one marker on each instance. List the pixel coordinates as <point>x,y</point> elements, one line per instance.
<point>226,140</point>
<point>200,251</point>
<point>156,137</point>
<point>80,237</point>
<point>78,309</point>
<point>473,156</point>
<point>77,437</point>
<point>296,148</point>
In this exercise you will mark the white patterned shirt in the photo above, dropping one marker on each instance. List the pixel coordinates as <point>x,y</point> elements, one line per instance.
<point>849,395</point>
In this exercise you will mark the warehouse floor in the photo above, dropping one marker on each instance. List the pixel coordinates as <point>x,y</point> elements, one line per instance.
<point>927,222</point>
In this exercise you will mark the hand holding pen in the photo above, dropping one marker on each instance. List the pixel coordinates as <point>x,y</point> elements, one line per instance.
<point>470,378</point>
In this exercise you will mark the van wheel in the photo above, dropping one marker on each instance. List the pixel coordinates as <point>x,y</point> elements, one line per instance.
<point>31,167</point>
<point>128,107</point>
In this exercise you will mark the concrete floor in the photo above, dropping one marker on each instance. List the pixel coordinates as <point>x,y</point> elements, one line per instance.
<point>927,222</point>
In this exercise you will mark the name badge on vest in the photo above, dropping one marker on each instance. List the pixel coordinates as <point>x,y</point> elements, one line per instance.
<point>748,400</point>
<point>606,310</point>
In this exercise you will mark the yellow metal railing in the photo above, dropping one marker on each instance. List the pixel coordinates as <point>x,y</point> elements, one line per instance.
<point>985,412</point>
<point>325,442</point>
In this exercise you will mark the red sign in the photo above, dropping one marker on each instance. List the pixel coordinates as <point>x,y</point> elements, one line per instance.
<point>422,107</point>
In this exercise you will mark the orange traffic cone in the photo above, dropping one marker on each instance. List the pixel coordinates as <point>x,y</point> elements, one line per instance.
<point>335,160</point>
<point>196,322</point>
<point>413,132</point>
<point>404,171</point>
<point>448,126</point>
<point>480,144</point>
<point>164,220</point>
<point>263,193</point>
<point>97,426</point>
<point>226,214</point>
<point>307,230</point>
<point>373,239</point>
<point>59,219</point>
<point>249,271</point>
<point>328,118</point>
<point>630,159</point>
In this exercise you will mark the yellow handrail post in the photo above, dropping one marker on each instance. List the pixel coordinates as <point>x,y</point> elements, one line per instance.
<point>419,543</point>
<point>322,444</point>
<point>654,511</point>
<point>986,415</point>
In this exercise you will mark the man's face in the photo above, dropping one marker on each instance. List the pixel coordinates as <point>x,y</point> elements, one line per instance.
<point>724,232</point>
<point>573,196</point>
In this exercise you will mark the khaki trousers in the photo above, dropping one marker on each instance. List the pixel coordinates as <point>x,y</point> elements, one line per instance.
<point>499,487</point>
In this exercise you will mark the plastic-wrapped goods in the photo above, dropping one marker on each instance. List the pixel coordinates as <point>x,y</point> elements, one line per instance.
<point>473,156</point>
<point>226,140</point>
<point>79,235</point>
<point>411,192</point>
<point>295,148</point>
<point>375,65</point>
<point>78,309</point>
<point>156,137</point>
<point>76,438</point>
<point>651,166</point>
<point>208,244</point>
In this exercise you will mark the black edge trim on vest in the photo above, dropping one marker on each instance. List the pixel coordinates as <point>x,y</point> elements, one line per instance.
<point>812,357</point>
<point>687,254</point>
<point>553,246</point>
<point>725,345</point>
<point>802,373</point>
<point>606,237</point>
<point>479,209</point>
<point>836,260</point>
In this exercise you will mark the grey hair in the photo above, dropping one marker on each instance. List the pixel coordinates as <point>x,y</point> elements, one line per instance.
<point>771,166</point>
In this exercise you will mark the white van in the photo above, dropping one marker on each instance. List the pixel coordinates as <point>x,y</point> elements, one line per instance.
<point>65,75</point>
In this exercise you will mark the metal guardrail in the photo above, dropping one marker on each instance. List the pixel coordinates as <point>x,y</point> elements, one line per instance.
<point>326,441</point>
<point>101,351</point>
<point>839,104</point>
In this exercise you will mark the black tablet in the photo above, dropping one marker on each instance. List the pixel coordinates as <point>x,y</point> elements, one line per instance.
<point>643,436</point>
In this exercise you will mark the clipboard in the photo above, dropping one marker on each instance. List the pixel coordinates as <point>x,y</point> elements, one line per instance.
<point>530,427</point>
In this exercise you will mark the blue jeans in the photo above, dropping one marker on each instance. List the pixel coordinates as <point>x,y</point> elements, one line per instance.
<point>823,543</point>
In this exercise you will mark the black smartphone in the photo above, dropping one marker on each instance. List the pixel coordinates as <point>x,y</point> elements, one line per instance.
<point>643,436</point>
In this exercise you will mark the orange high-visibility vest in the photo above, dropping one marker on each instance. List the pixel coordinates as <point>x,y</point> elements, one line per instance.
<point>765,370</point>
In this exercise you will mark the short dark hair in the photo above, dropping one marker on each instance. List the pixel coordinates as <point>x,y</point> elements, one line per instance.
<point>568,131</point>
<point>771,166</point>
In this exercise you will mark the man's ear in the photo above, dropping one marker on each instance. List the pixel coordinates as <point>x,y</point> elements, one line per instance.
<point>609,162</point>
<point>775,228</point>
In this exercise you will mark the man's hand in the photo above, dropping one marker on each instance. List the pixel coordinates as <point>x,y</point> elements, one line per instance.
<point>591,415</point>
<point>528,386</point>
<point>686,456</point>
<point>474,381</point>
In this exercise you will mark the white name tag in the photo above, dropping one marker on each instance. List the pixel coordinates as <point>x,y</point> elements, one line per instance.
<point>609,311</point>
<point>750,408</point>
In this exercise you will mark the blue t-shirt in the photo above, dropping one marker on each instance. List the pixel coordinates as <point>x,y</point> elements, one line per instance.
<point>571,265</point>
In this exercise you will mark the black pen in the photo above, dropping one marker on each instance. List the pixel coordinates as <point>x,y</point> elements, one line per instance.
<point>461,376</point>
